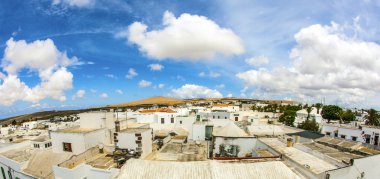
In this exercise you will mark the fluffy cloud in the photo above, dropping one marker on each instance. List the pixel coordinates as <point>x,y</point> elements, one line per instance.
<point>131,73</point>
<point>119,91</point>
<point>257,61</point>
<point>144,84</point>
<point>220,86</point>
<point>188,37</point>
<point>326,63</point>
<point>103,95</point>
<point>156,67</point>
<point>195,91</point>
<point>79,94</point>
<point>40,56</point>
<point>77,3</point>
<point>209,74</point>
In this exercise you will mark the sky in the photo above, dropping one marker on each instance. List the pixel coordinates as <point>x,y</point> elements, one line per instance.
<point>70,54</point>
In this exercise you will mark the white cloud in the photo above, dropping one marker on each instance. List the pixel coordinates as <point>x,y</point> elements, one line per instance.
<point>257,61</point>
<point>229,95</point>
<point>156,67</point>
<point>119,91</point>
<point>93,90</point>
<point>111,76</point>
<point>144,84</point>
<point>326,63</point>
<point>79,94</point>
<point>77,3</point>
<point>131,73</point>
<point>161,86</point>
<point>220,86</point>
<point>188,37</point>
<point>103,95</point>
<point>210,74</point>
<point>40,56</point>
<point>195,91</point>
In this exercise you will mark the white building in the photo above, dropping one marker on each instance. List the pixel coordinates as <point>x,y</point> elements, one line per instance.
<point>225,107</point>
<point>302,116</point>
<point>364,134</point>
<point>137,139</point>
<point>30,125</point>
<point>77,140</point>
<point>233,141</point>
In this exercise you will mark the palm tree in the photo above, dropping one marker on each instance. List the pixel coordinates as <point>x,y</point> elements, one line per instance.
<point>318,106</point>
<point>308,110</point>
<point>372,118</point>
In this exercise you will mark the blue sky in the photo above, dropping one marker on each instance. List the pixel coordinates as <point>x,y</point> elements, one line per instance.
<point>300,50</point>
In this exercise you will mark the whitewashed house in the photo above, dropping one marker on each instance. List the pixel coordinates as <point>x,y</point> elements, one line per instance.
<point>302,116</point>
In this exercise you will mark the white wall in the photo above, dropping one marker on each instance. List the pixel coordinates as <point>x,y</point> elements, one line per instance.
<point>199,131</point>
<point>80,142</point>
<point>82,171</point>
<point>127,140</point>
<point>367,166</point>
<point>246,144</point>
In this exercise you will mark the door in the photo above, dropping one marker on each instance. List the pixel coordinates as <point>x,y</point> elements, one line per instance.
<point>376,139</point>
<point>236,118</point>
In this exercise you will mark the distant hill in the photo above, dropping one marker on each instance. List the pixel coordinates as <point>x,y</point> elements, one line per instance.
<point>40,116</point>
<point>156,100</point>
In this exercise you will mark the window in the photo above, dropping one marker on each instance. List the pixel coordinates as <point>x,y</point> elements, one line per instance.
<point>213,117</point>
<point>172,120</point>
<point>218,117</point>
<point>162,120</point>
<point>328,133</point>
<point>343,136</point>
<point>353,138</point>
<point>67,147</point>
<point>336,134</point>
<point>236,118</point>
<point>180,122</point>
<point>225,117</point>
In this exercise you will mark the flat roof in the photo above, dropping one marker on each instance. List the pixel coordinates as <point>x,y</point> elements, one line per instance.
<point>135,168</point>
<point>20,155</point>
<point>134,130</point>
<point>316,164</point>
<point>76,130</point>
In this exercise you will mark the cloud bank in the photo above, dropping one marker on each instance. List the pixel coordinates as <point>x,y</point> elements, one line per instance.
<point>188,37</point>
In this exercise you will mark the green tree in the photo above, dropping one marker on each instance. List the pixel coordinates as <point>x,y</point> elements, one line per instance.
<point>308,110</point>
<point>331,112</point>
<point>288,117</point>
<point>318,106</point>
<point>14,122</point>
<point>348,116</point>
<point>310,125</point>
<point>372,118</point>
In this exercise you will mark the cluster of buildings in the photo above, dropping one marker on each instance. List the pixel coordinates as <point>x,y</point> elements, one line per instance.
<point>223,139</point>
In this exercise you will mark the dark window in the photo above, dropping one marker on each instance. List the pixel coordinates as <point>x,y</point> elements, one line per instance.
<point>218,117</point>
<point>354,138</point>
<point>2,171</point>
<point>225,117</point>
<point>138,135</point>
<point>328,133</point>
<point>336,134</point>
<point>343,136</point>
<point>236,118</point>
<point>172,120</point>
<point>180,122</point>
<point>213,117</point>
<point>67,147</point>
<point>46,145</point>
<point>162,120</point>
